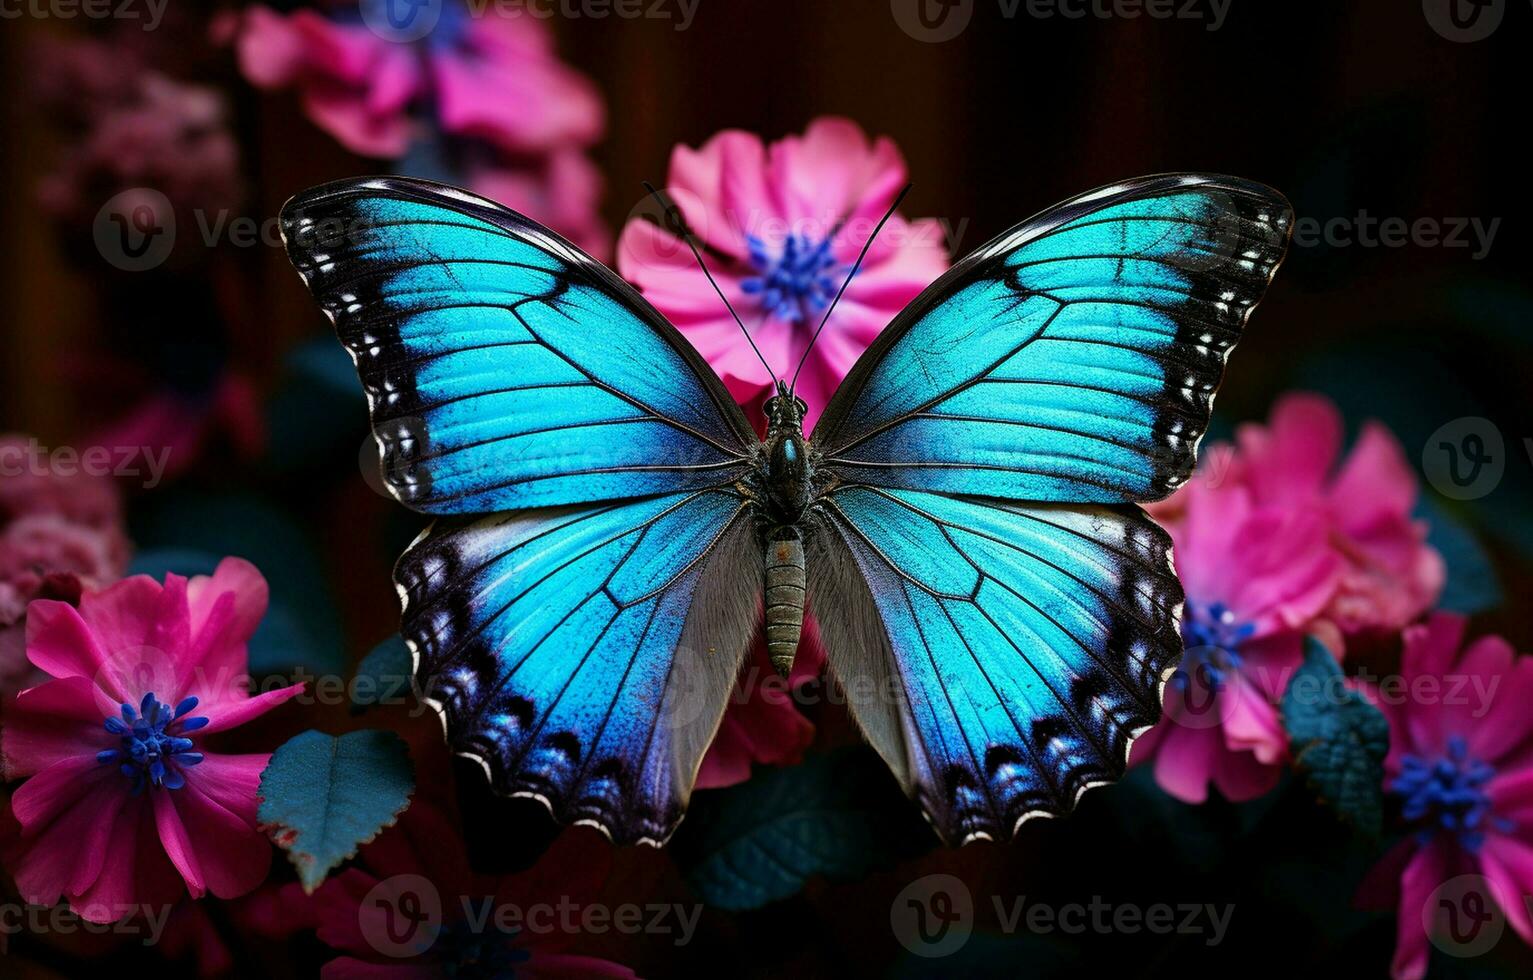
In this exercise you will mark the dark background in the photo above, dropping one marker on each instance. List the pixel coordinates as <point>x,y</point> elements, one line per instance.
<point>1343,107</point>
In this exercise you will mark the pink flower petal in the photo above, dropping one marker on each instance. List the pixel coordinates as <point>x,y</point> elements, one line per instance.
<point>1508,866</point>
<point>235,856</point>
<point>1292,457</point>
<point>1422,875</point>
<point>173,837</point>
<point>233,711</point>
<point>58,720</point>
<point>60,642</point>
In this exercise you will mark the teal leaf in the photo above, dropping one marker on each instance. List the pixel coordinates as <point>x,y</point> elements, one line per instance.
<point>839,814</point>
<point>322,797</point>
<point>188,532</point>
<point>383,676</point>
<point>317,416</point>
<point>1472,585</point>
<point>1338,738</point>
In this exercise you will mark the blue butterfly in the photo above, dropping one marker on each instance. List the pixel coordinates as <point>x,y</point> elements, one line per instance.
<point>612,534</point>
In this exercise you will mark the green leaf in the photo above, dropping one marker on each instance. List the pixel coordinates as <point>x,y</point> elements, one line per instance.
<point>322,797</point>
<point>1339,739</point>
<point>383,676</point>
<point>838,814</point>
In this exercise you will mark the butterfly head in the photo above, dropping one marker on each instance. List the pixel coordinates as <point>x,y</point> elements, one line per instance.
<point>785,410</point>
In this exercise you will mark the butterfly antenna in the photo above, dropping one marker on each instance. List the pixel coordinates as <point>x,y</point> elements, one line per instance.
<point>679,226</point>
<point>855,266</point>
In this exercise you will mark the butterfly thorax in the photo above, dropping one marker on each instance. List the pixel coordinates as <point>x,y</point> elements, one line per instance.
<point>787,472</point>
<point>786,476</point>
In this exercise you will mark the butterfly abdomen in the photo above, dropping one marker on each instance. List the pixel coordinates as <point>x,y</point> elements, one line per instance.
<point>784,596</point>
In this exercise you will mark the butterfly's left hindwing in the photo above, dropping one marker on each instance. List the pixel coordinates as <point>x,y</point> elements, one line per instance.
<point>584,654</point>
<point>504,368</point>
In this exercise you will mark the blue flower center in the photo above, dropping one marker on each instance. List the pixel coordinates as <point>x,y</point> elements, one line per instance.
<point>468,954</point>
<point>1447,794</point>
<point>1213,634</point>
<point>154,749</point>
<point>796,282</point>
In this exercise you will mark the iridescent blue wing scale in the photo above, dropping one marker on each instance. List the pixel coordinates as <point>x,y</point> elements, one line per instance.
<point>503,367</point>
<point>1000,656</point>
<point>1074,358</point>
<point>581,642</point>
<point>999,612</point>
<point>584,654</point>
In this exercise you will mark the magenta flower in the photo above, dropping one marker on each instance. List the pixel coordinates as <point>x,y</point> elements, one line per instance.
<point>122,805</point>
<point>784,224</point>
<point>1256,578</point>
<point>484,76</point>
<point>1461,767</point>
<point>1273,541</point>
<point>126,125</point>
<point>1390,574</point>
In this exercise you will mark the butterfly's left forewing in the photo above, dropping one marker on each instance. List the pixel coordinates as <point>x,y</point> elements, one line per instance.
<point>1000,614</point>
<point>581,641</point>
<point>503,367</point>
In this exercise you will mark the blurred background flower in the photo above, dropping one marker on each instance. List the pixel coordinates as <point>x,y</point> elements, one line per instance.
<point>1461,766</point>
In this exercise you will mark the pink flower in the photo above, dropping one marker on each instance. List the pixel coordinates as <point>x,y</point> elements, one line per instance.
<point>59,533</point>
<point>562,190</point>
<point>372,912</point>
<point>485,75</point>
<point>1255,578</point>
<point>127,125</point>
<point>783,224</point>
<point>1461,766</point>
<point>1271,545</point>
<point>122,805</point>
<point>484,88</point>
<point>1390,574</point>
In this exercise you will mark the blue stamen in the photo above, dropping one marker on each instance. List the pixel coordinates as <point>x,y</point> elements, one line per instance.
<point>467,954</point>
<point>1447,795</point>
<point>797,282</point>
<point>1214,635</point>
<point>154,747</point>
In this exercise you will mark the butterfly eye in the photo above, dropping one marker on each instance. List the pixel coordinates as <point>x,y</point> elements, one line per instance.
<point>801,405</point>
